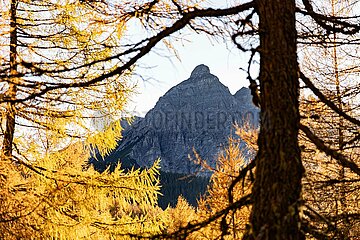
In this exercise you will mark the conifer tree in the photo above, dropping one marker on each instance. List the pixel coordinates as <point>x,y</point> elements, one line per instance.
<point>232,225</point>
<point>330,188</point>
<point>44,98</point>
<point>42,91</point>
<point>50,52</point>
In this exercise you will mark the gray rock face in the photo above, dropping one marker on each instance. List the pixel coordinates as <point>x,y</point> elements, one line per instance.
<point>197,114</point>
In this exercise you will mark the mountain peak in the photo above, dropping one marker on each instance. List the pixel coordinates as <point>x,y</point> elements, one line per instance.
<point>200,70</point>
<point>198,113</point>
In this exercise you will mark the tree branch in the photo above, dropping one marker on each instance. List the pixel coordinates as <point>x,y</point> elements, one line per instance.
<point>342,160</point>
<point>241,175</point>
<point>343,27</point>
<point>329,103</point>
<point>142,51</point>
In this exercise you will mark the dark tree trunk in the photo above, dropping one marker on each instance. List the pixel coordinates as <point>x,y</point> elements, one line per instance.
<point>277,187</point>
<point>11,92</point>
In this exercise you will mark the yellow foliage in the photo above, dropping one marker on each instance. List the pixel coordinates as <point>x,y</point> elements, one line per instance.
<point>55,198</point>
<point>229,164</point>
<point>180,216</point>
<point>46,192</point>
<point>329,189</point>
<point>105,141</point>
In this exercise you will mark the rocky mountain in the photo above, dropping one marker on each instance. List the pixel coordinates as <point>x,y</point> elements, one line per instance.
<point>197,114</point>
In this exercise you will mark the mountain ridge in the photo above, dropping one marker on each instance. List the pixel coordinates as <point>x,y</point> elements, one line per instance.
<point>197,114</point>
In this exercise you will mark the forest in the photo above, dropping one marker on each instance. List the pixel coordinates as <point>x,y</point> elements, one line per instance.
<point>65,64</point>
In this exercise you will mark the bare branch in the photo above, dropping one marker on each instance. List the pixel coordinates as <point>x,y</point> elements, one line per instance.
<point>142,51</point>
<point>337,25</point>
<point>329,103</point>
<point>342,160</point>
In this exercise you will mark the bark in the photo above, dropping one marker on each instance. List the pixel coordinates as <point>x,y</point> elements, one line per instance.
<point>11,92</point>
<point>277,186</point>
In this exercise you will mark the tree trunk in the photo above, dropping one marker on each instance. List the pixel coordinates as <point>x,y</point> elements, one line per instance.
<point>11,92</point>
<point>277,187</point>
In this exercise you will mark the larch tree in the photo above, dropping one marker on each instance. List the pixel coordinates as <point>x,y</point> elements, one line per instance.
<point>43,44</point>
<point>223,192</point>
<point>47,102</point>
<point>329,188</point>
<point>275,212</point>
<point>277,200</point>
<point>267,28</point>
<point>282,76</point>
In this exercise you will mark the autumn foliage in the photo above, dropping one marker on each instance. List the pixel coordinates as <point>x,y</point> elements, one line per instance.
<point>65,69</point>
